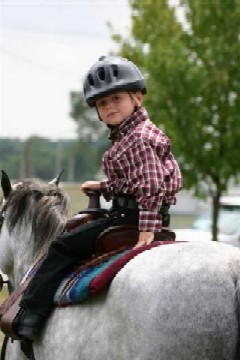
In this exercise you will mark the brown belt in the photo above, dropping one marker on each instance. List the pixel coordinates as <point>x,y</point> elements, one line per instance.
<point>128,202</point>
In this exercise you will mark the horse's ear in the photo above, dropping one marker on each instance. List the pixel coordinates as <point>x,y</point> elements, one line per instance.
<point>6,184</point>
<point>56,180</point>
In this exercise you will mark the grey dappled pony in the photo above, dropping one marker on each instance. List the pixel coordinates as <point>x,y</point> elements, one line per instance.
<point>173,302</point>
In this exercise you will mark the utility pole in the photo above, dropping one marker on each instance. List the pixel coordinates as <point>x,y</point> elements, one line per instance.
<point>71,168</point>
<point>58,158</point>
<point>26,170</point>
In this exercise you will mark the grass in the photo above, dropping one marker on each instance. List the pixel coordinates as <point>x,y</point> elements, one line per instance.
<point>79,201</point>
<point>3,295</point>
<point>181,221</point>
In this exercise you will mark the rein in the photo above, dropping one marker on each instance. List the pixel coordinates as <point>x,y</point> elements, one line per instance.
<point>26,346</point>
<point>4,347</point>
<point>6,337</point>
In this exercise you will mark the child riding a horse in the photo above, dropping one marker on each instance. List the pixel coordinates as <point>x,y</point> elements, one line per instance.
<point>142,178</point>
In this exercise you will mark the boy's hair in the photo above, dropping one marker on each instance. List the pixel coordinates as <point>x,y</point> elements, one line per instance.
<point>111,74</point>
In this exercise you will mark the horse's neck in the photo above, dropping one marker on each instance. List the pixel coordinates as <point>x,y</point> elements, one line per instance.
<point>18,250</point>
<point>24,252</point>
<point>6,251</point>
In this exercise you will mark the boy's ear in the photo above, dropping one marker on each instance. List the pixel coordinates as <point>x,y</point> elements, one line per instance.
<point>138,96</point>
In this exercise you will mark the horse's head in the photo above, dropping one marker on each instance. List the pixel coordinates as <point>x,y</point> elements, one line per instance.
<point>32,214</point>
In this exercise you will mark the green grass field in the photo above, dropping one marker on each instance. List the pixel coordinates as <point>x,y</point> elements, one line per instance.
<point>79,201</point>
<point>3,295</point>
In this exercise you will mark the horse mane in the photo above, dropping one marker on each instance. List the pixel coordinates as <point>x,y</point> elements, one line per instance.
<point>42,205</point>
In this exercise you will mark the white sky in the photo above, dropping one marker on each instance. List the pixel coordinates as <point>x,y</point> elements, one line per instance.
<point>46,49</point>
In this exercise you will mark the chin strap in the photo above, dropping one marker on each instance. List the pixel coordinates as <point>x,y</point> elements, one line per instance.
<point>98,113</point>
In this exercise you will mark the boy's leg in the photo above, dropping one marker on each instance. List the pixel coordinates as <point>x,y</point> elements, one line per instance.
<point>64,252</point>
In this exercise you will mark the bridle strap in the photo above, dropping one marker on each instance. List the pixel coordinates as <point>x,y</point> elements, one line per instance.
<point>4,347</point>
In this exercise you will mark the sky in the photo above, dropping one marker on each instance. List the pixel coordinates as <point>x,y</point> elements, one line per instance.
<point>47,46</point>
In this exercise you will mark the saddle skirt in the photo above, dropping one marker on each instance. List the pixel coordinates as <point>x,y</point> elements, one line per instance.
<point>92,278</point>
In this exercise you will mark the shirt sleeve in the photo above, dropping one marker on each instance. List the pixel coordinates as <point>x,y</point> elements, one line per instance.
<point>146,173</point>
<point>106,189</point>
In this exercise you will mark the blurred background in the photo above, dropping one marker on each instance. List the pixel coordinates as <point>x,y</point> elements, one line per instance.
<point>189,52</point>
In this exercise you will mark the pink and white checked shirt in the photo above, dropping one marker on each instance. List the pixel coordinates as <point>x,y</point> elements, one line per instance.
<point>140,163</point>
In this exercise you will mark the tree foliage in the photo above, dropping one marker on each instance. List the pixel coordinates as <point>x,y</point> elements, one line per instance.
<point>10,159</point>
<point>89,126</point>
<point>42,158</point>
<point>193,84</point>
<point>92,134</point>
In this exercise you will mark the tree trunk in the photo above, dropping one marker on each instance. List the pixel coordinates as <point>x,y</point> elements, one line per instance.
<point>215,212</point>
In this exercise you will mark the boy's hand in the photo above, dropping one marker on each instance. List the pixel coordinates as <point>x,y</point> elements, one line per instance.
<point>90,185</point>
<point>145,238</point>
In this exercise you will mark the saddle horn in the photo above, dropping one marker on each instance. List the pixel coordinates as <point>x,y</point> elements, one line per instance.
<point>56,180</point>
<point>5,184</point>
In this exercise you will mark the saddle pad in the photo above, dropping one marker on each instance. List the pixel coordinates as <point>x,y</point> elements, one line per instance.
<point>92,280</point>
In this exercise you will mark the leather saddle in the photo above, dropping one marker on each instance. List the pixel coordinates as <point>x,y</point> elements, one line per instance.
<point>115,237</point>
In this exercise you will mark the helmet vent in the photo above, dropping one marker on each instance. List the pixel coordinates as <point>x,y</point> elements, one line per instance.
<point>115,70</point>
<point>90,80</point>
<point>101,73</point>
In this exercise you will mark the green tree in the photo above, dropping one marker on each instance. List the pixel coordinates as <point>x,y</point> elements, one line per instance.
<point>39,157</point>
<point>88,125</point>
<point>92,137</point>
<point>10,159</point>
<point>193,85</point>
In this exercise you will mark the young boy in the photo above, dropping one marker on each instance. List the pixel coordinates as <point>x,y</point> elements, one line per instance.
<point>139,163</point>
<point>142,178</point>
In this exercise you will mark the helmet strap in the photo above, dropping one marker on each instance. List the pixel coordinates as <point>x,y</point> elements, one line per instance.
<point>98,113</point>
<point>136,100</point>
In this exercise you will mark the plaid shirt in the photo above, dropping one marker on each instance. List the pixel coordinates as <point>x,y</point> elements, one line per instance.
<point>139,163</point>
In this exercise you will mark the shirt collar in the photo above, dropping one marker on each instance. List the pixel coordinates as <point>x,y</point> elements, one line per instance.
<point>128,124</point>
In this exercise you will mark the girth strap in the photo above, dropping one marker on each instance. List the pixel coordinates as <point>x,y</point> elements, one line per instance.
<point>27,349</point>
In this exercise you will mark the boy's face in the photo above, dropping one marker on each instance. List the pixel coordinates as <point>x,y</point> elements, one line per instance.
<point>113,109</point>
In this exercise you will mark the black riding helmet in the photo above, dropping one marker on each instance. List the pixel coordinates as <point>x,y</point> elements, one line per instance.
<point>111,74</point>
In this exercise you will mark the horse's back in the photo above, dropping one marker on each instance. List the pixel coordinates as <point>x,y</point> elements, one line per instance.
<point>182,298</point>
<point>173,302</point>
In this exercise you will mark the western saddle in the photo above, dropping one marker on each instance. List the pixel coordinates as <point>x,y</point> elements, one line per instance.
<point>114,237</point>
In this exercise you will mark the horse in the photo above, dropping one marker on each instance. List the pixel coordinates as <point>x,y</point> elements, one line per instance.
<point>173,302</point>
